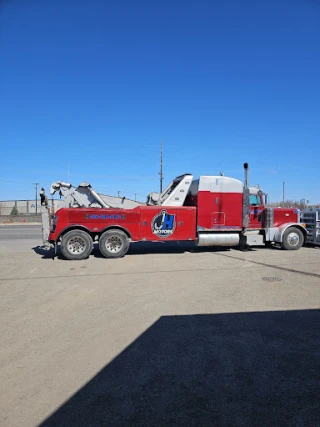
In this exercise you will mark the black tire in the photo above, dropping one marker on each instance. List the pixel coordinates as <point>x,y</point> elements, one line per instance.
<point>292,239</point>
<point>114,244</point>
<point>76,245</point>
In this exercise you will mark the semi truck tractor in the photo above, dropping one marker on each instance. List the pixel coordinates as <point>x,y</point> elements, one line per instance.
<point>209,210</point>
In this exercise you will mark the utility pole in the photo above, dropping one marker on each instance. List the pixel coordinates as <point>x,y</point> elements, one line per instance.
<point>160,173</point>
<point>36,187</point>
<point>283,184</point>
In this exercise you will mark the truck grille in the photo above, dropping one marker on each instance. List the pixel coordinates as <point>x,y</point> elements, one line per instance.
<point>311,217</point>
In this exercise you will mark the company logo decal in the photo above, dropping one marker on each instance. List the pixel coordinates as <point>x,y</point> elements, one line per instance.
<point>163,224</point>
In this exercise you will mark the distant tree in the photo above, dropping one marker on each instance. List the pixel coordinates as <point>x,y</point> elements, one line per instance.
<point>14,211</point>
<point>292,204</point>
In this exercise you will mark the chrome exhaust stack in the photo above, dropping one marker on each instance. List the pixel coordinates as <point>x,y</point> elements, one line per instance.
<point>246,198</point>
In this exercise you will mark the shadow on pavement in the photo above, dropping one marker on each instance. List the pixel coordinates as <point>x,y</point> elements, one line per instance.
<point>143,248</point>
<point>177,247</point>
<point>40,250</point>
<point>237,369</point>
<point>139,248</point>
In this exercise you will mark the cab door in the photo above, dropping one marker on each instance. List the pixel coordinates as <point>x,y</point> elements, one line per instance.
<point>256,209</point>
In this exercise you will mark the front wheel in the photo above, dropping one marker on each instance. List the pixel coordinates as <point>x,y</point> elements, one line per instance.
<point>292,239</point>
<point>76,245</point>
<point>114,244</point>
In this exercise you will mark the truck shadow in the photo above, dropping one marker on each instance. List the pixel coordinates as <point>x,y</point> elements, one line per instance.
<point>139,248</point>
<point>178,247</point>
<point>231,369</point>
<point>46,253</point>
<point>143,248</point>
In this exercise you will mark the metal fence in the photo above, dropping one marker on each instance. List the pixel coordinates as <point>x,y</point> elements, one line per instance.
<point>25,207</point>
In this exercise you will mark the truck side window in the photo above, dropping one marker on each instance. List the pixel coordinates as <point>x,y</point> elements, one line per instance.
<point>255,200</point>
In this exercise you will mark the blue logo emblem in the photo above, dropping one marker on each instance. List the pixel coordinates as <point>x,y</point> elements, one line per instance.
<point>163,224</point>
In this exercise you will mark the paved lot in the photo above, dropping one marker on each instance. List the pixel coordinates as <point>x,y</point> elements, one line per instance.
<point>10,232</point>
<point>175,336</point>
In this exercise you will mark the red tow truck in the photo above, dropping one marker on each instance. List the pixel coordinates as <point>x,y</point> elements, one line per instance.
<point>210,210</point>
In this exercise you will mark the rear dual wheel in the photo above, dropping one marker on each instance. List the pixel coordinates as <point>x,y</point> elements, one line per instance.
<point>76,245</point>
<point>114,244</point>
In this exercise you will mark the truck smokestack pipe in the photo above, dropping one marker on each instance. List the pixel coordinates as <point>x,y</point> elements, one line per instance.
<point>246,175</point>
<point>246,198</point>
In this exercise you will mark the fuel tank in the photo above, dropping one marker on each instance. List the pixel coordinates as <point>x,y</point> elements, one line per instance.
<point>218,239</point>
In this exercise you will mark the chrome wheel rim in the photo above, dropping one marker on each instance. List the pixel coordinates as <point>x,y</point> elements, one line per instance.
<point>293,239</point>
<point>77,245</point>
<point>114,244</point>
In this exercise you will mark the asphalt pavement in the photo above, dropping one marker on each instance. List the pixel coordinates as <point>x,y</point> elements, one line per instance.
<point>168,335</point>
<point>19,232</point>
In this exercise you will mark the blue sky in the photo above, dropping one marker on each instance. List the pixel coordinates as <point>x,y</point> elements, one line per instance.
<point>93,86</point>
